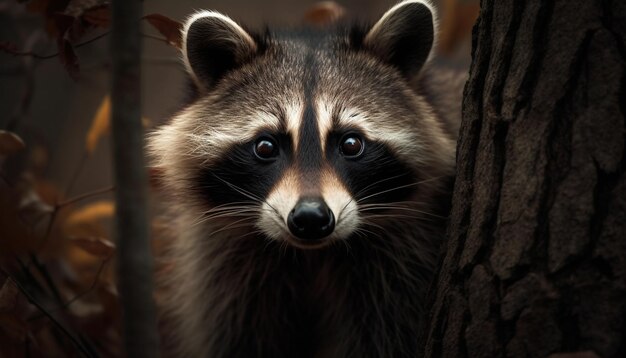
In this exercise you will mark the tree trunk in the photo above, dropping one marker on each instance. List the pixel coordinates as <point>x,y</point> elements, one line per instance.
<point>134,259</point>
<point>536,258</point>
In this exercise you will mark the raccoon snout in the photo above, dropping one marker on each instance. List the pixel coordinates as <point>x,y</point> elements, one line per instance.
<point>311,219</point>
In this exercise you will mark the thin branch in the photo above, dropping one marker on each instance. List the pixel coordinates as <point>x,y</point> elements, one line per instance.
<point>76,173</point>
<point>81,44</point>
<point>78,296</point>
<point>52,55</point>
<point>85,196</point>
<point>58,324</point>
<point>94,283</point>
<point>47,278</point>
<point>157,38</point>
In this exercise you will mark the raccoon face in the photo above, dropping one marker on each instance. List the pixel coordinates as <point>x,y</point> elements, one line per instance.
<point>306,137</point>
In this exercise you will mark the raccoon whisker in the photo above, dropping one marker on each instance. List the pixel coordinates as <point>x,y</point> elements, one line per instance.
<point>238,189</point>
<point>364,189</point>
<point>386,191</point>
<point>229,205</point>
<point>225,213</point>
<point>396,188</point>
<point>231,226</point>
<point>245,193</point>
<point>234,215</point>
<point>396,216</point>
<point>401,209</point>
<point>377,182</point>
<point>364,232</point>
<point>229,211</point>
<point>369,223</point>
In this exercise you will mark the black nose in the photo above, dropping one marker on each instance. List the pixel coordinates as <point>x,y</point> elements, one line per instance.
<point>311,219</point>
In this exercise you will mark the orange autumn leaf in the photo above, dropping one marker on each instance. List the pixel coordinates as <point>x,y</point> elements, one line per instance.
<point>324,13</point>
<point>91,213</point>
<point>169,28</point>
<point>10,143</point>
<point>99,247</point>
<point>100,125</point>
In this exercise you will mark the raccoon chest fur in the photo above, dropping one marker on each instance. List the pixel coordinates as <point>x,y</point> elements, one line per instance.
<point>309,180</point>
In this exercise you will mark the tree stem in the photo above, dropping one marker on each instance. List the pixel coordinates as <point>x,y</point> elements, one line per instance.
<point>134,264</point>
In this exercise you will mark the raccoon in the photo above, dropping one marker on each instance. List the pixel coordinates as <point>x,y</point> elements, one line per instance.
<point>309,180</point>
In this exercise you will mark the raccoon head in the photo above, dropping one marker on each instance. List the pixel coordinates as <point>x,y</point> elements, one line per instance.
<point>309,136</point>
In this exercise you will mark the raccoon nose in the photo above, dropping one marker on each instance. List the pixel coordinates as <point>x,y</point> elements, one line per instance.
<point>311,219</point>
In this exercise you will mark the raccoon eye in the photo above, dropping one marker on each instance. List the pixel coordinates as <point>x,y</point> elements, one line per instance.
<point>351,146</point>
<point>265,148</point>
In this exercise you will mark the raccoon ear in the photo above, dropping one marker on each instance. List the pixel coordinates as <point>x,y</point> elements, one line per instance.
<point>404,36</point>
<point>213,44</point>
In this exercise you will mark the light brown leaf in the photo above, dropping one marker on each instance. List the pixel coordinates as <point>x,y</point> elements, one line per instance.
<point>100,125</point>
<point>98,16</point>
<point>8,296</point>
<point>68,58</point>
<point>90,213</point>
<point>324,13</point>
<point>10,143</point>
<point>169,28</point>
<point>99,247</point>
<point>31,208</point>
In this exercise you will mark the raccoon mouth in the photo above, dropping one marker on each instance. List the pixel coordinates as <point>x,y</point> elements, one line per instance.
<point>309,244</point>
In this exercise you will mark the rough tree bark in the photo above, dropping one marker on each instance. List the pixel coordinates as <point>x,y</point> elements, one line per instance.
<point>135,266</point>
<point>536,258</point>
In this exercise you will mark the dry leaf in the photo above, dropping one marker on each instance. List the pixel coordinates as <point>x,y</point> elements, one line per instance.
<point>99,247</point>
<point>98,16</point>
<point>90,213</point>
<point>68,58</point>
<point>8,296</point>
<point>31,208</point>
<point>169,28</point>
<point>100,125</point>
<point>324,13</point>
<point>9,47</point>
<point>10,143</point>
<point>15,237</point>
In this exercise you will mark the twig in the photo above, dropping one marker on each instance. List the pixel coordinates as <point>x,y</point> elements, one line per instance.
<point>58,324</point>
<point>46,276</point>
<point>153,37</point>
<point>44,239</point>
<point>76,173</point>
<point>78,45</point>
<point>85,196</point>
<point>93,284</point>
<point>78,296</point>
<point>52,55</point>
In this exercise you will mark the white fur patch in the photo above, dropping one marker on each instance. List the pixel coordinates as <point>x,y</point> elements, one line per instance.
<point>293,118</point>
<point>324,111</point>
<point>280,201</point>
<point>341,203</point>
